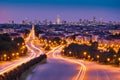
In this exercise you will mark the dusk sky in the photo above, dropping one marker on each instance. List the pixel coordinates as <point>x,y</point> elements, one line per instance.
<point>70,10</point>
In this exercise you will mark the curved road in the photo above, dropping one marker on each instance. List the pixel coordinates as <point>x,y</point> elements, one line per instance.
<point>95,71</point>
<point>58,68</point>
<point>55,69</point>
<point>64,68</point>
<point>34,52</point>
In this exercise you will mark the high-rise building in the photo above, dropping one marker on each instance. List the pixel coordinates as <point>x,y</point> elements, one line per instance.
<point>58,19</point>
<point>101,20</point>
<point>9,21</point>
<point>94,19</point>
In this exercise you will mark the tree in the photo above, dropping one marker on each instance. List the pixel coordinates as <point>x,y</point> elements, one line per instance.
<point>94,45</point>
<point>57,40</point>
<point>5,37</point>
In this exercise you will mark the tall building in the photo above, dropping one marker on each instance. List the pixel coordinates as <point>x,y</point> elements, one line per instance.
<point>94,19</point>
<point>58,19</point>
<point>101,20</point>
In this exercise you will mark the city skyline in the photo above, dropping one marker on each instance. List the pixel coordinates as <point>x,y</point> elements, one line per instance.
<point>59,39</point>
<point>73,10</point>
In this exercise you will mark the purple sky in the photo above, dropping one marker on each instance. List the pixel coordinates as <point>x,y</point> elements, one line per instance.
<point>19,12</point>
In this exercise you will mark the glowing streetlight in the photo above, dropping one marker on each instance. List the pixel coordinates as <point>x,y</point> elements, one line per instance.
<point>17,54</point>
<point>108,59</point>
<point>98,56</point>
<point>50,41</point>
<point>13,54</point>
<point>70,52</point>
<point>89,56</point>
<point>119,59</point>
<point>62,50</point>
<point>23,47</point>
<point>4,55</point>
<point>84,53</point>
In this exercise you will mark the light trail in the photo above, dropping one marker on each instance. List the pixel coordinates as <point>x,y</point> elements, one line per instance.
<point>40,51</point>
<point>12,66</point>
<point>81,73</point>
<point>32,55</point>
<point>52,50</point>
<point>32,45</point>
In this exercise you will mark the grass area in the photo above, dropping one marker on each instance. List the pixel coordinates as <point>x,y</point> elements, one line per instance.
<point>26,73</point>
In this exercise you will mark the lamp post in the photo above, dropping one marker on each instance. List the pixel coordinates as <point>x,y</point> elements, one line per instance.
<point>84,53</point>
<point>70,52</point>
<point>13,54</point>
<point>98,57</point>
<point>5,56</point>
<point>108,59</point>
<point>89,57</point>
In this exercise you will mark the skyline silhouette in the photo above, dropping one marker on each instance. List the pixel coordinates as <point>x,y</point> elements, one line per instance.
<point>71,10</point>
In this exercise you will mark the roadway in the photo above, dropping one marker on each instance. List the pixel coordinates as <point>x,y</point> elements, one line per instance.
<point>95,71</point>
<point>63,68</point>
<point>55,69</point>
<point>33,52</point>
<point>101,72</point>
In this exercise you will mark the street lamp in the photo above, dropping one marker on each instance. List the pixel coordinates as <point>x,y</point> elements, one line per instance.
<point>119,59</point>
<point>98,57</point>
<point>108,59</point>
<point>17,54</point>
<point>62,50</point>
<point>50,41</point>
<point>84,53</point>
<point>70,52</point>
<point>5,55</point>
<point>13,54</point>
<point>89,56</point>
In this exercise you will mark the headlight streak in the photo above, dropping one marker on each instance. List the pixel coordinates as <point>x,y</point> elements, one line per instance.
<point>81,73</point>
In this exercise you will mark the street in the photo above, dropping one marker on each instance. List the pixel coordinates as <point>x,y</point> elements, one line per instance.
<point>64,68</point>
<point>34,52</point>
<point>59,67</point>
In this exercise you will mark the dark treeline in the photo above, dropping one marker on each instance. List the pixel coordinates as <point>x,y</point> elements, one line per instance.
<point>16,73</point>
<point>11,48</point>
<point>90,52</point>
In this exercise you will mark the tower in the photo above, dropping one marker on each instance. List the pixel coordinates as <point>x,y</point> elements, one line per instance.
<point>101,20</point>
<point>58,19</point>
<point>94,19</point>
